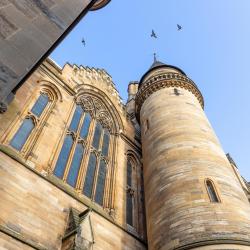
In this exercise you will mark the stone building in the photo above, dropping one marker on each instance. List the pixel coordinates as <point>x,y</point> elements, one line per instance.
<point>29,30</point>
<point>75,163</point>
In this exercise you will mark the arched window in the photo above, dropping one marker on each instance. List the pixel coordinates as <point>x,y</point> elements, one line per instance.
<point>84,156</point>
<point>28,125</point>
<point>211,191</point>
<point>130,194</point>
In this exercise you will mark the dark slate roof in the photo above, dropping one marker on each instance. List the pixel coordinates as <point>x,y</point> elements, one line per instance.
<point>157,64</point>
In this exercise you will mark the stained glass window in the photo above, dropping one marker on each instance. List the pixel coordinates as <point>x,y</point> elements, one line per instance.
<point>63,157</point>
<point>40,105</point>
<point>22,134</point>
<point>105,143</point>
<point>100,183</point>
<point>85,126</point>
<point>75,165</point>
<point>76,118</point>
<point>97,135</point>
<point>211,192</point>
<point>89,179</point>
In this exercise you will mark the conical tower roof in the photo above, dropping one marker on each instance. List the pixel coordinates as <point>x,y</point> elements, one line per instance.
<point>158,64</point>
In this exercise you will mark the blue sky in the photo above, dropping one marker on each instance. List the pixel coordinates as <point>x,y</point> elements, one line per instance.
<point>213,49</point>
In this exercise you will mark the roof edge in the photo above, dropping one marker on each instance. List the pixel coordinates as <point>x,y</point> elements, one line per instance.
<point>160,66</point>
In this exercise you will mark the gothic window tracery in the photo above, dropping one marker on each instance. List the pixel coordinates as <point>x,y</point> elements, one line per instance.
<point>85,157</point>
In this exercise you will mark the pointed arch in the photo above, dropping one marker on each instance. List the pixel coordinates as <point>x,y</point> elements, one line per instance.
<point>51,89</point>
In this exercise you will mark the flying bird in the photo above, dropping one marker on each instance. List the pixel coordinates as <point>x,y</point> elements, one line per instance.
<point>179,27</point>
<point>153,34</point>
<point>83,42</point>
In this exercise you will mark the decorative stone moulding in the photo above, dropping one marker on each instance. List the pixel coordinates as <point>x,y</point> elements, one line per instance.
<point>166,80</point>
<point>100,4</point>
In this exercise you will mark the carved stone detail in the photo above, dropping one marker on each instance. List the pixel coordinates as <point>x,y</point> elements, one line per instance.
<point>167,80</point>
<point>3,107</point>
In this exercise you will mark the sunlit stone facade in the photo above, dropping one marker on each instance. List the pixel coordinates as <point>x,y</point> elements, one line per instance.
<point>75,164</point>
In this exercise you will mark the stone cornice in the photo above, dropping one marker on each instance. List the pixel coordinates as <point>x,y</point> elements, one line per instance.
<point>165,80</point>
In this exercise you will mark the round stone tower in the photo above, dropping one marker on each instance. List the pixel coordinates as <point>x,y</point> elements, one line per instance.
<point>193,198</point>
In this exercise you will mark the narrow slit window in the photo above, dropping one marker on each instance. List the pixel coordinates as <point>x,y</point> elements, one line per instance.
<point>75,165</point>
<point>211,192</point>
<point>22,134</point>
<point>129,174</point>
<point>129,208</point>
<point>129,198</point>
<point>40,105</point>
<point>146,126</point>
<point>89,179</point>
<point>63,157</point>
<point>100,183</point>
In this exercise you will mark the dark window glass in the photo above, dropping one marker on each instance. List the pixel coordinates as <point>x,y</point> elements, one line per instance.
<point>212,194</point>
<point>100,183</point>
<point>129,209</point>
<point>97,135</point>
<point>76,118</point>
<point>63,157</point>
<point>75,165</point>
<point>88,184</point>
<point>129,173</point>
<point>40,105</point>
<point>105,143</point>
<point>85,126</point>
<point>22,134</point>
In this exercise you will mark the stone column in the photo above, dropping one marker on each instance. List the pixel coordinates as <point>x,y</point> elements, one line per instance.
<point>181,152</point>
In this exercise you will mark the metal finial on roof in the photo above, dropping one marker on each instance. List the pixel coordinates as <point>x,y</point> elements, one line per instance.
<point>155,57</point>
